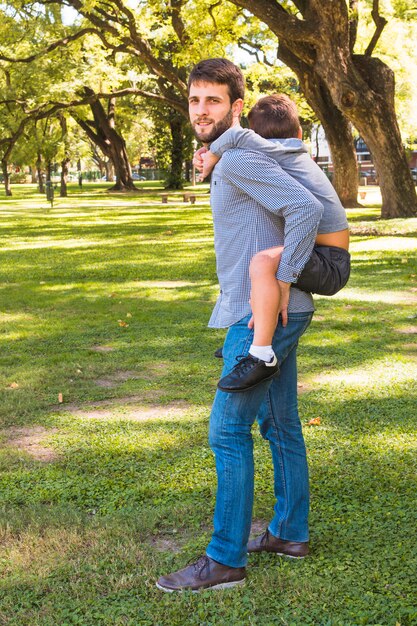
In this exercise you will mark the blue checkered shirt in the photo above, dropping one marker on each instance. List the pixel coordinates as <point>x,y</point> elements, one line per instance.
<point>255,206</point>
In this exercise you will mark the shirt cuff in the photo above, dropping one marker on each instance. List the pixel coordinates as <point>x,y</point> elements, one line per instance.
<point>287,273</point>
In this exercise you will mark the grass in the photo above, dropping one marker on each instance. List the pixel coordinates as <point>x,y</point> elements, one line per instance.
<point>105,300</point>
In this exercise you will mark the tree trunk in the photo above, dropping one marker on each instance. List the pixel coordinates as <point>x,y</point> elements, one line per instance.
<point>175,177</point>
<point>33,174</point>
<point>108,165</point>
<point>366,96</point>
<point>336,127</point>
<point>63,192</point>
<point>48,171</point>
<point>6,176</point>
<point>41,186</point>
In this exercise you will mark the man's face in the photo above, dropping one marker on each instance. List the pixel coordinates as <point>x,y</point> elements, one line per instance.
<point>211,112</point>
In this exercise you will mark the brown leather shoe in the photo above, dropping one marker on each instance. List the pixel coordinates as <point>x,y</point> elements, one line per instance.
<point>203,574</point>
<point>269,543</point>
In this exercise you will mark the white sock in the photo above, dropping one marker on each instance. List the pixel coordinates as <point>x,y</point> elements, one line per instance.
<point>265,353</point>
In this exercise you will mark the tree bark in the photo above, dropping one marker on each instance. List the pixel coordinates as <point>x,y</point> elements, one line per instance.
<point>63,191</point>
<point>362,88</point>
<point>33,174</point>
<point>6,176</point>
<point>41,186</point>
<point>109,169</point>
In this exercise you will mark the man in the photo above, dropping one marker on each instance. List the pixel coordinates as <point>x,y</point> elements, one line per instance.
<point>255,205</point>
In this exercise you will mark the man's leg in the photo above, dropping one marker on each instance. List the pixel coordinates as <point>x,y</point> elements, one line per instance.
<point>280,424</point>
<point>231,440</point>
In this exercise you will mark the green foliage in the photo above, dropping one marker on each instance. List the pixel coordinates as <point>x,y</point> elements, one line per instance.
<point>128,491</point>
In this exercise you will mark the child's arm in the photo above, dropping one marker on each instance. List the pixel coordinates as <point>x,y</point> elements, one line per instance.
<point>244,138</point>
<point>238,137</point>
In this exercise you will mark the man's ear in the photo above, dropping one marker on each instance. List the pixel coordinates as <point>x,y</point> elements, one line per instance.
<point>237,107</point>
<point>300,133</point>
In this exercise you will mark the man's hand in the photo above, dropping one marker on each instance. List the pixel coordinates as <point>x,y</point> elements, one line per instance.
<point>283,305</point>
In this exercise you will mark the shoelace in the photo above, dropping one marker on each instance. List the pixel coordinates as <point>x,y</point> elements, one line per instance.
<point>265,537</point>
<point>200,565</point>
<point>244,362</point>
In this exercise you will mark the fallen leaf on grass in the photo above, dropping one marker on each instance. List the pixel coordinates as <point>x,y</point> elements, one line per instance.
<point>123,324</point>
<point>60,398</point>
<point>128,315</point>
<point>13,386</point>
<point>316,421</point>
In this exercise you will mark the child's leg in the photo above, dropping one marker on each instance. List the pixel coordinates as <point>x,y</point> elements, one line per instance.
<point>265,295</point>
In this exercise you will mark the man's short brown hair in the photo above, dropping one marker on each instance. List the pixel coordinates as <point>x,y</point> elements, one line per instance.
<point>222,72</point>
<point>275,116</point>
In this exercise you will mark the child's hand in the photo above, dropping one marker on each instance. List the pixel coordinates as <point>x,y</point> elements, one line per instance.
<point>209,161</point>
<point>198,159</point>
<point>250,323</point>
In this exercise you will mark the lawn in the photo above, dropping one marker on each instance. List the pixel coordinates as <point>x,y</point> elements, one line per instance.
<point>106,379</point>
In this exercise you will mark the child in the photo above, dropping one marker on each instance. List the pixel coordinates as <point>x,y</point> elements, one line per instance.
<point>327,271</point>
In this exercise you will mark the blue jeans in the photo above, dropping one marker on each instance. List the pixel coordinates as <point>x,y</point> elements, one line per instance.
<point>274,403</point>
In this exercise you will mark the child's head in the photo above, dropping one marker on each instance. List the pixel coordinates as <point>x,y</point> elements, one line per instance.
<point>275,116</point>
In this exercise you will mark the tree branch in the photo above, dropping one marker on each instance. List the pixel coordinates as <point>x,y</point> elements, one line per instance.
<point>280,21</point>
<point>380,23</point>
<point>56,44</point>
<point>253,49</point>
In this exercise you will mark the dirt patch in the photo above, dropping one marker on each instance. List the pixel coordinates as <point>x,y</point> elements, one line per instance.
<point>365,231</point>
<point>303,388</point>
<point>31,439</point>
<point>102,348</point>
<point>409,330</point>
<point>258,526</point>
<point>165,544</point>
<point>115,379</point>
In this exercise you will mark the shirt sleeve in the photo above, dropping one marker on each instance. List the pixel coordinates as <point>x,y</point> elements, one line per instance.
<point>261,178</point>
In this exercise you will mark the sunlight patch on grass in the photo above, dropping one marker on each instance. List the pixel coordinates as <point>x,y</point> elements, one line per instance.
<point>395,244</point>
<point>365,295</point>
<point>376,373</point>
<point>15,317</point>
<point>56,243</point>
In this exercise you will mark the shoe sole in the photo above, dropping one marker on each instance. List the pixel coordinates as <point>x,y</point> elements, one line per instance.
<point>213,587</point>
<point>289,556</point>
<point>247,388</point>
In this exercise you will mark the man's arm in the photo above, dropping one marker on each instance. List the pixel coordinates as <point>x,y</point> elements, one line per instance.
<point>261,178</point>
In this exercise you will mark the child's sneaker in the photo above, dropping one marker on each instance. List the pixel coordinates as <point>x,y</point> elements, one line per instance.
<point>248,373</point>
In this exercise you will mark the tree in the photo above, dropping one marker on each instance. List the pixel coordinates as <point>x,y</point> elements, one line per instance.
<point>102,131</point>
<point>317,42</point>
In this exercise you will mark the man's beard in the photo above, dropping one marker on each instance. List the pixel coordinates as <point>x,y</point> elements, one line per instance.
<point>218,128</point>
